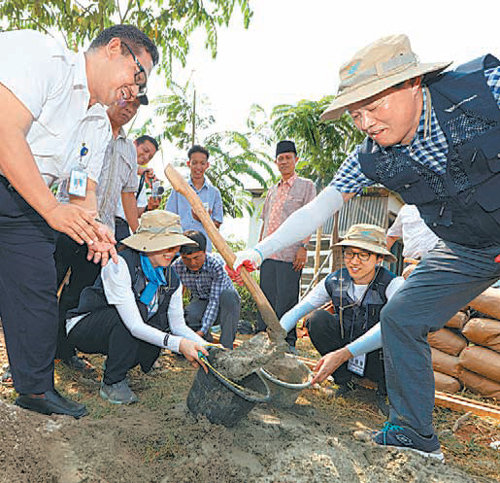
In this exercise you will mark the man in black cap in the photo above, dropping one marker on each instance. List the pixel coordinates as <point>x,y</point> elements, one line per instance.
<point>214,301</point>
<point>280,273</point>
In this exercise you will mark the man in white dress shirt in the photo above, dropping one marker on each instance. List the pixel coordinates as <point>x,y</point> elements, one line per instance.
<point>45,91</point>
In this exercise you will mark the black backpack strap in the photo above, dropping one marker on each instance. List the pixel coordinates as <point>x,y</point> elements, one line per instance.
<point>141,184</point>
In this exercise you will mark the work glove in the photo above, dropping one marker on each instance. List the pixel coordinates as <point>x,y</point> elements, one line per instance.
<point>250,259</point>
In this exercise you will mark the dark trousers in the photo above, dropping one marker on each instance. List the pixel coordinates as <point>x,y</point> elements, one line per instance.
<point>103,332</point>
<point>227,317</point>
<point>444,281</point>
<point>122,229</point>
<point>280,284</point>
<point>28,302</point>
<point>70,254</point>
<point>324,331</point>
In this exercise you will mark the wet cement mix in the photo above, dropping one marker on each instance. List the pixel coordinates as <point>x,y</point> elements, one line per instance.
<point>248,357</point>
<point>158,440</point>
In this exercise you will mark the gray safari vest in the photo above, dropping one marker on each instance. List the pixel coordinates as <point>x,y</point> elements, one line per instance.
<point>358,317</point>
<point>93,298</point>
<point>463,204</point>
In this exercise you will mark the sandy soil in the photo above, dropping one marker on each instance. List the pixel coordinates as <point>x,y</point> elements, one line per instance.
<point>169,445</point>
<point>158,440</point>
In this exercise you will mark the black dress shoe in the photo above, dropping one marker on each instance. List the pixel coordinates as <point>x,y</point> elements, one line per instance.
<point>51,402</point>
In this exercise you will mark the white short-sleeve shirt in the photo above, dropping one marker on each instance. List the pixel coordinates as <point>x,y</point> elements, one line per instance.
<point>92,134</point>
<point>51,82</point>
<point>418,238</point>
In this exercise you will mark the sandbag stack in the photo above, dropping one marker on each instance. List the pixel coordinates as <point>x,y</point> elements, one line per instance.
<point>467,352</point>
<point>481,362</point>
<point>446,346</point>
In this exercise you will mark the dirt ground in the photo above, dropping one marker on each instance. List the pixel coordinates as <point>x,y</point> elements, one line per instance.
<point>158,440</point>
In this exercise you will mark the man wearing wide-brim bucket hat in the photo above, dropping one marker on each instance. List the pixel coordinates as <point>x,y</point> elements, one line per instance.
<point>135,307</point>
<point>358,293</point>
<point>434,137</point>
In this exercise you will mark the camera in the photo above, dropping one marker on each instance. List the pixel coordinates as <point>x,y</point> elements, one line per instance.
<point>157,189</point>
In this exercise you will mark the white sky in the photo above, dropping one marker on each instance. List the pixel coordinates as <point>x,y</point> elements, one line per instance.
<point>294,48</point>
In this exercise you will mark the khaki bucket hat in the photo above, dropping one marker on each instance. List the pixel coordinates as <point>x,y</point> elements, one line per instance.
<point>373,69</point>
<point>367,237</point>
<point>158,230</point>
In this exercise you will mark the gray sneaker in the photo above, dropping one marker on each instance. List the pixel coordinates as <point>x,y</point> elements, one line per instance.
<point>118,393</point>
<point>403,437</point>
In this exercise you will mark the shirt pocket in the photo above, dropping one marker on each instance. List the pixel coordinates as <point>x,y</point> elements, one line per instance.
<point>485,196</point>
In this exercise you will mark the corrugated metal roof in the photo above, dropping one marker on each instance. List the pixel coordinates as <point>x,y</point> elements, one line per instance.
<point>370,207</point>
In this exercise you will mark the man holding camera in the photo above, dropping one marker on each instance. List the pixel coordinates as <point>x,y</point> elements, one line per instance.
<point>145,147</point>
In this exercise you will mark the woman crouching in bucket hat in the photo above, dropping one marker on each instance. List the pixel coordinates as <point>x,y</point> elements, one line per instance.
<point>134,309</point>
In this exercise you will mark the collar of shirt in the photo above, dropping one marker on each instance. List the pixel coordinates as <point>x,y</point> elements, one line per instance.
<point>206,184</point>
<point>121,134</point>
<point>420,132</point>
<point>289,182</point>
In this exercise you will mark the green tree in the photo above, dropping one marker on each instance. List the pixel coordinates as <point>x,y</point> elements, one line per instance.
<point>169,23</point>
<point>235,157</point>
<point>322,145</point>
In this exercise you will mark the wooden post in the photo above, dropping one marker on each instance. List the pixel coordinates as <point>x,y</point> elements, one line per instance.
<point>317,252</point>
<point>335,262</point>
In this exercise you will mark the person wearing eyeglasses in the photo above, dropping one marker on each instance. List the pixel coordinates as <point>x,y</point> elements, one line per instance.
<point>433,137</point>
<point>358,293</point>
<point>46,91</point>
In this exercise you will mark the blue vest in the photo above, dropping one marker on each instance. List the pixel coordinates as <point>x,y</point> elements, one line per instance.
<point>357,316</point>
<point>93,298</point>
<point>463,204</point>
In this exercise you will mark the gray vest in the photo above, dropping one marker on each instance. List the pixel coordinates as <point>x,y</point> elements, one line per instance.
<point>463,204</point>
<point>358,316</point>
<point>93,298</point>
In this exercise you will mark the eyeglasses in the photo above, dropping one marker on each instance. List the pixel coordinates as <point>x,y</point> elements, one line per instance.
<point>140,77</point>
<point>362,255</point>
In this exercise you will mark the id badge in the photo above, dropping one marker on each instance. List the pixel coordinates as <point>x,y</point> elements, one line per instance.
<point>77,183</point>
<point>357,364</point>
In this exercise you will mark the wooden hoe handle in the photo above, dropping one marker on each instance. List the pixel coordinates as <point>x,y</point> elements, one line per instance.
<point>179,184</point>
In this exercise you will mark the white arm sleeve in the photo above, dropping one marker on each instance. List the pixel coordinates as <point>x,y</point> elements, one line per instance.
<point>372,339</point>
<point>303,222</point>
<point>315,299</point>
<point>178,325</point>
<point>368,342</point>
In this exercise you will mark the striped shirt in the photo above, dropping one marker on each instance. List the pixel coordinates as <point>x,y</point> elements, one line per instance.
<point>206,284</point>
<point>119,173</point>
<point>430,151</point>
